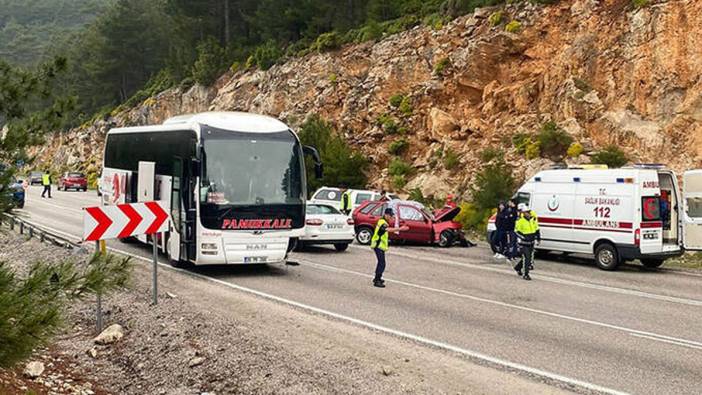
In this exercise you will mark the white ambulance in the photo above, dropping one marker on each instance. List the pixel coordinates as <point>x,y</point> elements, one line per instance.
<point>617,215</point>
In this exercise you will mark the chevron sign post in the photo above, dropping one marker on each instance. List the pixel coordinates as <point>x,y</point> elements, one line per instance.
<point>124,220</point>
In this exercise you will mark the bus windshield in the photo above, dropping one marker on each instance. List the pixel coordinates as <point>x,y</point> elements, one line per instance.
<point>247,169</point>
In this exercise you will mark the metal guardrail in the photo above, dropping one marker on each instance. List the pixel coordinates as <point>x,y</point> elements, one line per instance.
<point>32,230</point>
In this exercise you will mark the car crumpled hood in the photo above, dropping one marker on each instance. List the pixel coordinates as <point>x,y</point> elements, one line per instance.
<point>448,215</point>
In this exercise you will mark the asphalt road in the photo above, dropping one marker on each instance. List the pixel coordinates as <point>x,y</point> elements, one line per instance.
<point>634,330</point>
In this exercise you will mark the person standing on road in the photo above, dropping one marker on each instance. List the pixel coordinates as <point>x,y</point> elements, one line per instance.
<point>46,182</point>
<point>511,247</point>
<point>380,244</point>
<point>499,241</point>
<point>528,234</point>
<point>345,201</point>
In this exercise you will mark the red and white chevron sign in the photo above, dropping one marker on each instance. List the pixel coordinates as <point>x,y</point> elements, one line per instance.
<point>124,220</point>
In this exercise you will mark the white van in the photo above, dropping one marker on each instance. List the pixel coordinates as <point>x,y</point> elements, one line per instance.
<point>332,196</point>
<point>616,215</point>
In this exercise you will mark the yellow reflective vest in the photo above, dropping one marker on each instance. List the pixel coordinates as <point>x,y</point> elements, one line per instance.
<point>45,179</point>
<point>379,241</point>
<point>526,229</point>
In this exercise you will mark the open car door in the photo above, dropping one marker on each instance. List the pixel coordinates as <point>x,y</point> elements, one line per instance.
<point>692,207</point>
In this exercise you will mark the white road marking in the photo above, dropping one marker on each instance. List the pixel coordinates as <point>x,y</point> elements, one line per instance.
<point>456,294</point>
<point>607,288</point>
<point>667,341</point>
<point>394,332</point>
<point>508,305</point>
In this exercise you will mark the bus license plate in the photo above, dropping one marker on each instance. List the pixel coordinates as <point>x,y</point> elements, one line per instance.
<point>255,259</point>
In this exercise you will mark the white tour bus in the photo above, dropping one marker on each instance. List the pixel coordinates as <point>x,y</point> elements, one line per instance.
<point>235,183</point>
<point>616,215</point>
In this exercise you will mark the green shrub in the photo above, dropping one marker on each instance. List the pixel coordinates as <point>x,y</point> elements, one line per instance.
<point>640,3</point>
<point>441,66</point>
<point>388,124</point>
<point>157,84</point>
<point>490,153</point>
<point>396,100</point>
<point>451,159</point>
<point>496,18</point>
<point>399,181</point>
<point>575,150</point>
<point>236,66</point>
<point>435,21</point>
<point>398,167</point>
<point>32,307</point>
<point>400,24</point>
<point>327,42</point>
<point>532,150</point>
<point>371,31</point>
<point>398,147</point>
<point>342,164</point>
<point>333,78</point>
<point>265,56</point>
<point>611,156</point>
<point>521,141</point>
<point>406,106</point>
<point>492,184</point>
<point>472,218</point>
<point>513,27</point>
<point>210,61</point>
<point>553,141</point>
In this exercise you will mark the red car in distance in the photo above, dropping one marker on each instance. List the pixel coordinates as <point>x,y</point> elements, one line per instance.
<point>73,180</point>
<point>424,227</point>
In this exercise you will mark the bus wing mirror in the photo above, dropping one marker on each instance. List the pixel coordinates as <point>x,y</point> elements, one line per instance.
<point>318,166</point>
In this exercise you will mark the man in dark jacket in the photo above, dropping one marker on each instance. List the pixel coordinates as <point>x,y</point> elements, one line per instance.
<point>500,239</point>
<point>511,246</point>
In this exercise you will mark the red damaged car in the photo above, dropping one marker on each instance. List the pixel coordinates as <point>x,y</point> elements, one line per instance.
<point>424,227</point>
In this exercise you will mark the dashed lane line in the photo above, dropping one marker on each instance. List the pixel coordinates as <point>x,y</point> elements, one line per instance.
<point>556,280</point>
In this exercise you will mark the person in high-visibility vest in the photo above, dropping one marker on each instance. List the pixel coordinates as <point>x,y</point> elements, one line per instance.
<point>345,201</point>
<point>46,182</point>
<point>380,244</point>
<point>528,234</point>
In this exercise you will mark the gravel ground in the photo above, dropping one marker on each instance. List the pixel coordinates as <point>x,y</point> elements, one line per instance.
<point>202,338</point>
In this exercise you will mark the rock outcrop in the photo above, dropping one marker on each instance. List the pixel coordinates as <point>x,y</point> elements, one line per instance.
<point>605,72</point>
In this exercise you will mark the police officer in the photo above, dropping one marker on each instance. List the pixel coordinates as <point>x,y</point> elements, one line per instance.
<point>46,182</point>
<point>527,229</point>
<point>345,201</point>
<point>379,244</point>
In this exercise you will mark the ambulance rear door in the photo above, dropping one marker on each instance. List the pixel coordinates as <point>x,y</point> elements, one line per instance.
<point>692,210</point>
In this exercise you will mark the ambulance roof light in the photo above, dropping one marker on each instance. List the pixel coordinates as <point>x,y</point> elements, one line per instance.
<point>649,166</point>
<point>588,167</point>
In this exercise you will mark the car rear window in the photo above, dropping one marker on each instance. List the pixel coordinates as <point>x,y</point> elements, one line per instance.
<point>651,208</point>
<point>321,209</point>
<point>76,175</point>
<point>378,210</point>
<point>328,194</point>
<point>362,197</point>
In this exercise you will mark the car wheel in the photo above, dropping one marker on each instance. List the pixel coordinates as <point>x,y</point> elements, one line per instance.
<point>652,263</point>
<point>607,257</point>
<point>364,235</point>
<point>341,247</point>
<point>446,238</point>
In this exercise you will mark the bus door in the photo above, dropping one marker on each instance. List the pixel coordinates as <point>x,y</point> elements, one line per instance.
<point>183,209</point>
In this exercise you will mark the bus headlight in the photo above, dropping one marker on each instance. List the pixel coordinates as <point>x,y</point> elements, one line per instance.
<point>208,246</point>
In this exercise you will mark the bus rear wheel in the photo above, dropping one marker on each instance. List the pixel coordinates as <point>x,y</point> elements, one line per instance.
<point>607,257</point>
<point>652,263</point>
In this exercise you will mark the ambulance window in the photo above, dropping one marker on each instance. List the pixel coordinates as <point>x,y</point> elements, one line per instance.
<point>694,207</point>
<point>522,197</point>
<point>651,208</point>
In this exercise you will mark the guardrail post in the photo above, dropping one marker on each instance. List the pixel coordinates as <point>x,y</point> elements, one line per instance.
<point>154,295</point>
<point>98,309</point>
<point>31,232</point>
<point>12,224</point>
<point>21,227</point>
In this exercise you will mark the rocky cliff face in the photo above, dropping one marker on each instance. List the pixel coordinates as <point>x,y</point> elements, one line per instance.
<point>604,72</point>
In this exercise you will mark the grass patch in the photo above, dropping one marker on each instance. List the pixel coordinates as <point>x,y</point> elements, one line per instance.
<point>687,261</point>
